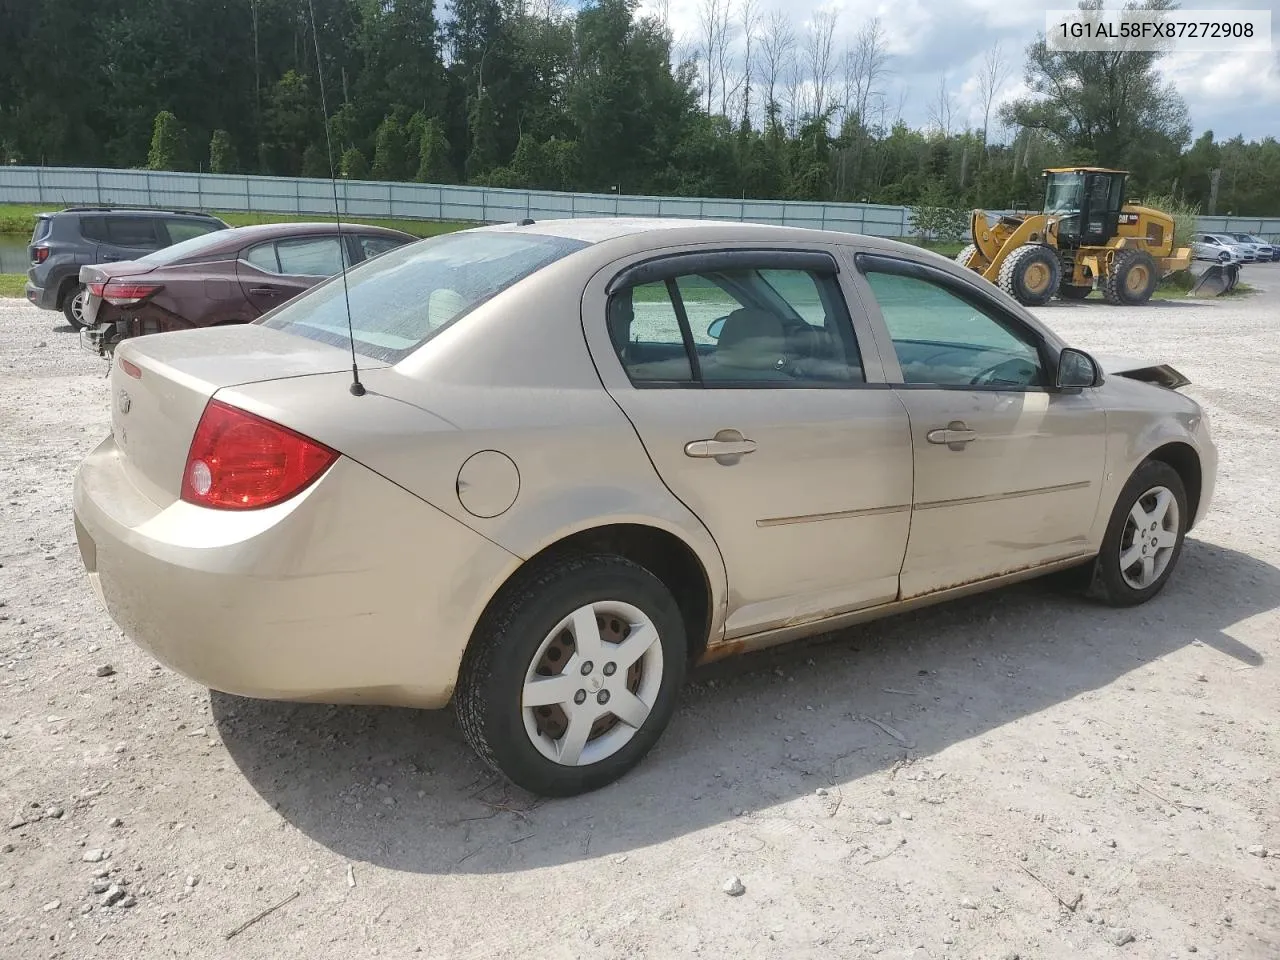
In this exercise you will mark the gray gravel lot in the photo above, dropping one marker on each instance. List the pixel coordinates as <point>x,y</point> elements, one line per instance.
<point>937,785</point>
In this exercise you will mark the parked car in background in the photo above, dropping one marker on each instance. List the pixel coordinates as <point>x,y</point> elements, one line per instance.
<point>63,242</point>
<point>593,452</point>
<point>1263,251</point>
<point>233,276</point>
<point>1219,247</point>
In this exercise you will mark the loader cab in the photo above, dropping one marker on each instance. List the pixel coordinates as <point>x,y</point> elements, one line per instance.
<point>1087,202</point>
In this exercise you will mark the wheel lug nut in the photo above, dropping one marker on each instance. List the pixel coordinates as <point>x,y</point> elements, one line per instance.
<point>610,669</point>
<point>580,697</point>
<point>587,667</point>
<point>602,697</point>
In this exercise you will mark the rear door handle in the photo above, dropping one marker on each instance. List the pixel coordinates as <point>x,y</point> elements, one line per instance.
<point>954,435</point>
<point>271,291</point>
<point>726,444</point>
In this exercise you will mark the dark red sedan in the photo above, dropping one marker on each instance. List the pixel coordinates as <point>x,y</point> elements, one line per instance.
<point>229,276</point>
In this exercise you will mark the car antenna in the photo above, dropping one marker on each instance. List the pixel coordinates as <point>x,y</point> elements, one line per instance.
<point>357,388</point>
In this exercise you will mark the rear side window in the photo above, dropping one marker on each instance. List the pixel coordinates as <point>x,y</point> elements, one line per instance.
<point>741,327</point>
<point>94,228</point>
<point>263,256</point>
<point>42,229</point>
<point>375,246</point>
<point>310,256</point>
<point>180,230</point>
<point>403,298</point>
<point>132,231</point>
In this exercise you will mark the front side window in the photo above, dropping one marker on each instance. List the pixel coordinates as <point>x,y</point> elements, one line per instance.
<point>403,298</point>
<point>942,339</point>
<point>766,327</point>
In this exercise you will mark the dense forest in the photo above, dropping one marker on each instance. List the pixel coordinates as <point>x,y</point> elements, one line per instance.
<point>528,93</point>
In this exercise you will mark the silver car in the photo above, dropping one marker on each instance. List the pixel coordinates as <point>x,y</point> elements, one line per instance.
<point>1263,252</point>
<point>1219,248</point>
<point>581,456</point>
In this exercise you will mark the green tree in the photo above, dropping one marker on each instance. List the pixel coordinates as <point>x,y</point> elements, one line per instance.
<point>433,154</point>
<point>315,161</point>
<point>166,143</point>
<point>222,153</point>
<point>482,126</point>
<point>354,166</point>
<point>1109,106</point>
<point>389,159</point>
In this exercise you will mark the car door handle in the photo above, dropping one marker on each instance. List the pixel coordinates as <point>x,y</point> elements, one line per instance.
<point>719,448</point>
<point>955,435</point>
<point>110,259</point>
<point>265,290</point>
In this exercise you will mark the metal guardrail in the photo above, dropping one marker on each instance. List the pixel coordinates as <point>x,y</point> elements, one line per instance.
<point>67,186</point>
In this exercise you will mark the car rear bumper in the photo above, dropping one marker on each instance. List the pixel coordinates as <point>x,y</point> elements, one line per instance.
<point>354,591</point>
<point>46,298</point>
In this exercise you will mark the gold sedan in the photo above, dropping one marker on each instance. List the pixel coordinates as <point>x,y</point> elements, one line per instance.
<point>586,454</point>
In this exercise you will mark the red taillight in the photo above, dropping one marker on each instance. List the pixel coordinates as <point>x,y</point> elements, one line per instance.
<point>123,293</point>
<point>40,255</point>
<point>239,461</point>
<point>97,288</point>
<point>132,369</point>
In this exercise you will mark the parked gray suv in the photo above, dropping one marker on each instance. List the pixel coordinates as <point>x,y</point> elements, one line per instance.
<point>65,241</point>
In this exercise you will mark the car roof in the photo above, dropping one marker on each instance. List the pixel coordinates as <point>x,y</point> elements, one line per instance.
<point>132,212</point>
<point>663,231</point>
<point>239,236</point>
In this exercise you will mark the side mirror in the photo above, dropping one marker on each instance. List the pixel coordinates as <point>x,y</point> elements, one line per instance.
<point>716,328</point>
<point>1076,369</point>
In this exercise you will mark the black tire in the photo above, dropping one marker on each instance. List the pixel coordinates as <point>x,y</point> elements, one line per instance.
<point>75,315</point>
<point>1069,291</point>
<point>509,635</point>
<point>967,254</point>
<point>1108,583</point>
<point>1132,278</point>
<point>1030,274</point>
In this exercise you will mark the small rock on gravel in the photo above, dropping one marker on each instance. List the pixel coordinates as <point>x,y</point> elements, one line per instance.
<point>1257,850</point>
<point>821,791</point>
<point>113,895</point>
<point>734,887</point>
<point>128,900</point>
<point>192,881</point>
<point>115,822</point>
<point>18,821</point>
<point>7,848</point>
<point>105,670</point>
<point>906,815</point>
<point>1120,936</point>
<point>967,904</point>
<point>100,886</point>
<point>94,856</point>
<point>51,906</point>
<point>881,819</point>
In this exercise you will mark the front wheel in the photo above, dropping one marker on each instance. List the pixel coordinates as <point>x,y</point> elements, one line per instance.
<point>73,306</point>
<point>1132,278</point>
<point>573,674</point>
<point>1030,274</point>
<point>1144,537</point>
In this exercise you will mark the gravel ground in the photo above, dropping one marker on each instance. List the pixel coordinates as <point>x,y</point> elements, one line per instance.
<point>1022,774</point>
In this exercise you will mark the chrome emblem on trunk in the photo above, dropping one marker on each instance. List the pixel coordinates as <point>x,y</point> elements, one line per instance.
<point>123,402</point>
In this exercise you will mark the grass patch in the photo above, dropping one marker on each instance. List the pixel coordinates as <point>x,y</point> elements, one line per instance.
<point>947,248</point>
<point>18,219</point>
<point>12,284</point>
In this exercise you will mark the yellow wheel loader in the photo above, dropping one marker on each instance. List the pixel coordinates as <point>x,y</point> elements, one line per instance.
<point>1086,236</point>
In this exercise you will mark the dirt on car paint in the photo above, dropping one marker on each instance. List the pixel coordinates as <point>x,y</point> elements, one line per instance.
<point>1022,773</point>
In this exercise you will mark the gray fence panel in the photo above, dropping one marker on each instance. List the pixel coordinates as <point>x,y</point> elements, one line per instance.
<point>284,195</point>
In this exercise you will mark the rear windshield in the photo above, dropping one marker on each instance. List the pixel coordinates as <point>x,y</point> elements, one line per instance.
<point>187,248</point>
<point>403,298</point>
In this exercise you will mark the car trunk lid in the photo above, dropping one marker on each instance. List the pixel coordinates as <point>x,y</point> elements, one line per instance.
<point>161,383</point>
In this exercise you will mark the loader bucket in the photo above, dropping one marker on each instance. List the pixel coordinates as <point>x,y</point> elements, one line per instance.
<point>1217,279</point>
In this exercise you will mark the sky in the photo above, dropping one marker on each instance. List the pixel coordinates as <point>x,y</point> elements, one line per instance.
<point>1235,93</point>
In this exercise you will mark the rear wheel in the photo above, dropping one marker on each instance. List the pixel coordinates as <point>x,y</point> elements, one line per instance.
<point>1144,537</point>
<point>1132,278</point>
<point>1030,274</point>
<point>1070,291</point>
<point>573,674</point>
<point>73,306</point>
